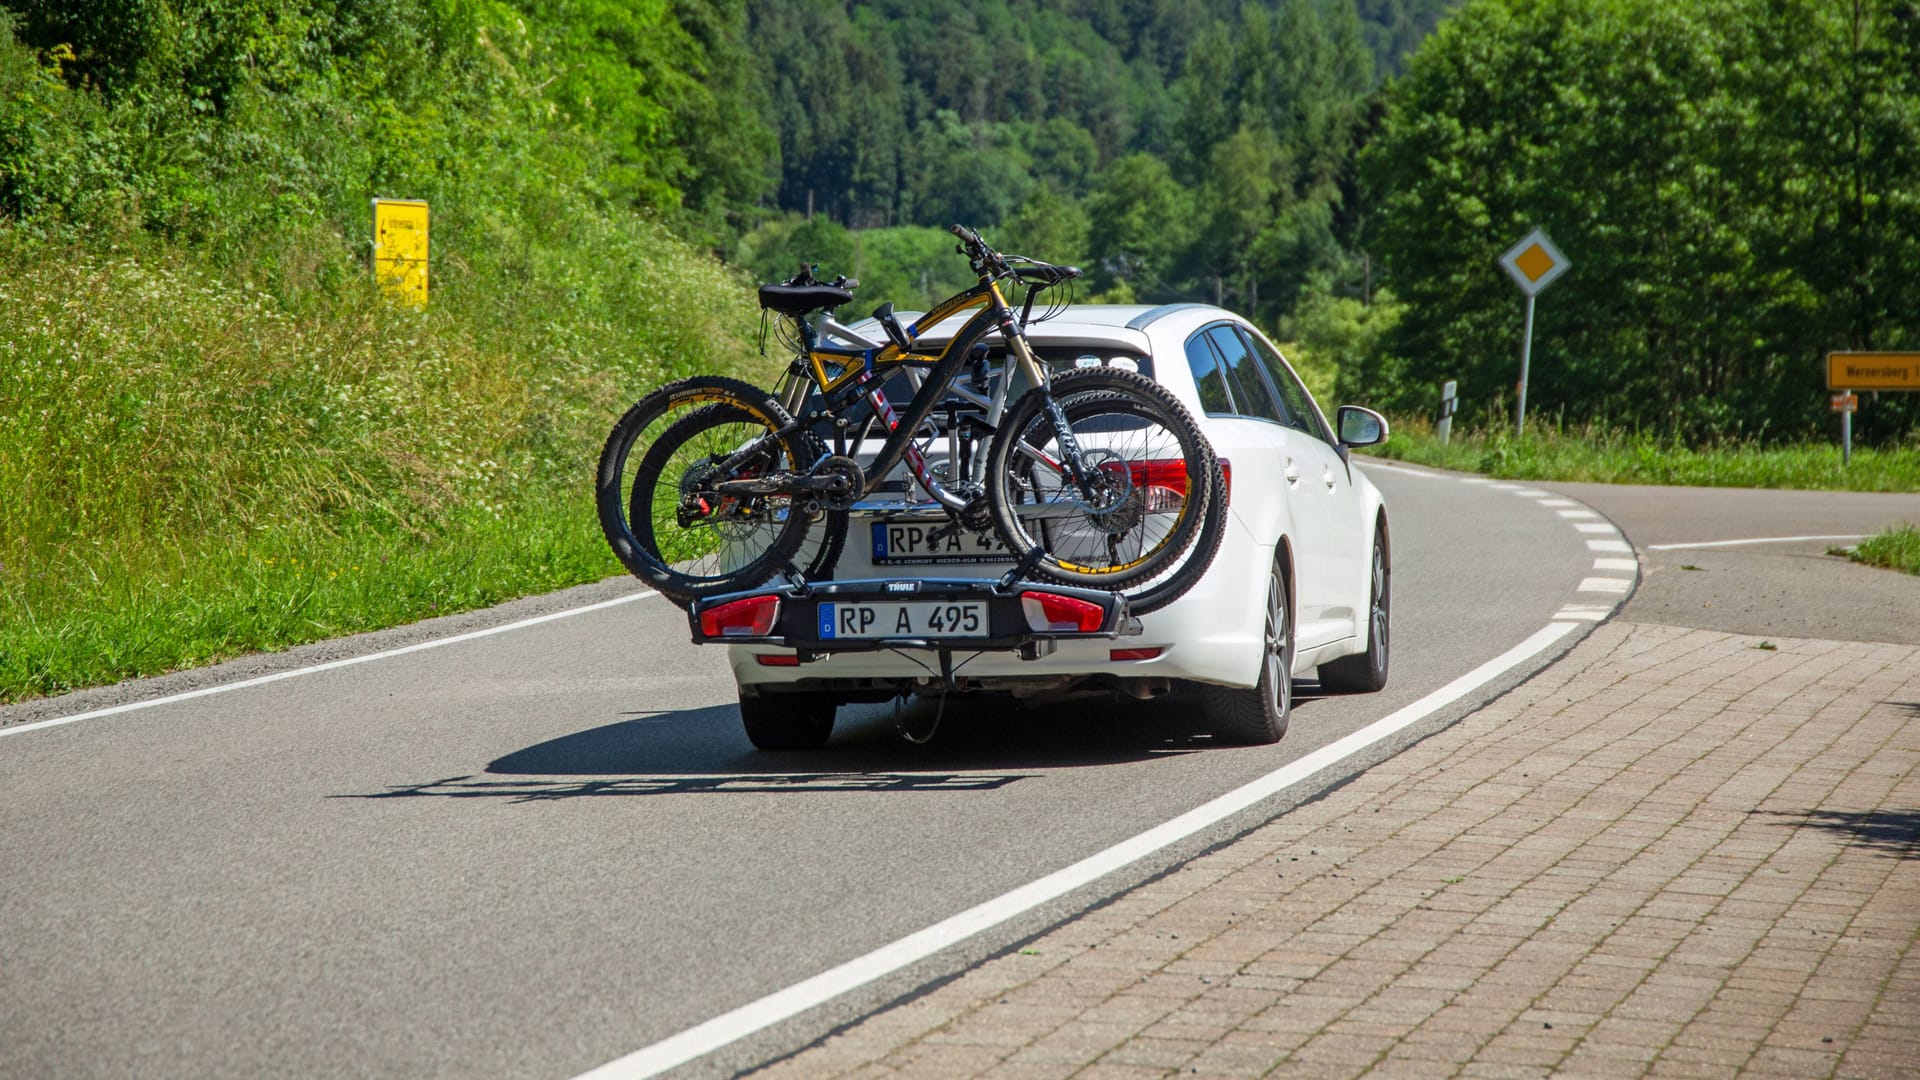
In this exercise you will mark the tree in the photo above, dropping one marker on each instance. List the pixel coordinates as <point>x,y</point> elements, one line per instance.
<point>1139,217</point>
<point>1684,158</point>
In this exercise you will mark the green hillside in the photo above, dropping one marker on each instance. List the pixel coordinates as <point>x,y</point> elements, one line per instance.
<point>216,436</point>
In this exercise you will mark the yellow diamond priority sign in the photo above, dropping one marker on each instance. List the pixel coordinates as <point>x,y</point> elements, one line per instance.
<point>1534,262</point>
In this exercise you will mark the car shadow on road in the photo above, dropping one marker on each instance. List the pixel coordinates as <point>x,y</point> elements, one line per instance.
<point>974,744</point>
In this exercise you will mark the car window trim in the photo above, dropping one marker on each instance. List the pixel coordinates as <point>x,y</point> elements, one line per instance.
<point>1275,403</point>
<point>1314,420</point>
<point>1220,367</point>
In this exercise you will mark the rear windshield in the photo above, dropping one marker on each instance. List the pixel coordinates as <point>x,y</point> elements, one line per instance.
<point>1059,358</point>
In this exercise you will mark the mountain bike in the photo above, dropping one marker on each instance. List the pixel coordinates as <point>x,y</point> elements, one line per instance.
<point>1095,477</point>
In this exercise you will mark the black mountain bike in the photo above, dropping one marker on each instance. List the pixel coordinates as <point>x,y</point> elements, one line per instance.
<point>1094,477</point>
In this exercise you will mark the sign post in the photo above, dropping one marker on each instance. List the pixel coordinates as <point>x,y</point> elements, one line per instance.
<point>400,249</point>
<point>1850,371</point>
<point>1845,403</point>
<point>1534,264</point>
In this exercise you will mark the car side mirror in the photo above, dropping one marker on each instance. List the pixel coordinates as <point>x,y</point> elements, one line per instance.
<point>1360,427</point>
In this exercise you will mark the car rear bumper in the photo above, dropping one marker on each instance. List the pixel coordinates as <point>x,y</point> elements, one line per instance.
<point>936,614</point>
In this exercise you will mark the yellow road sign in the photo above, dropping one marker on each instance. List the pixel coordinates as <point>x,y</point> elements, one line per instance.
<point>1873,371</point>
<point>1534,262</point>
<point>400,248</point>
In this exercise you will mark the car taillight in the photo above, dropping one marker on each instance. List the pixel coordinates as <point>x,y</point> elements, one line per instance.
<point>1171,476</point>
<point>752,617</point>
<point>777,659</point>
<point>1051,611</point>
<point>1134,654</point>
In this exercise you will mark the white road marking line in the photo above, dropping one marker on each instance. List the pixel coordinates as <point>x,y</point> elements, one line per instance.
<point>1605,585</point>
<point>1629,565</point>
<point>1755,540</point>
<point>209,691</point>
<point>1558,502</point>
<point>1595,527</point>
<point>739,1023</point>
<point>1571,514</point>
<point>1506,487</point>
<point>1582,614</point>
<point>1609,545</point>
<point>1531,493</point>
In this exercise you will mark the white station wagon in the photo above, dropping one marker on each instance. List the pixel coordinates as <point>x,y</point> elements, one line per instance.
<point>1299,587</point>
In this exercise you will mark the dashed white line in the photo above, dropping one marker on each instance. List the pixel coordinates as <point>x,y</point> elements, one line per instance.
<point>1617,585</point>
<point>1595,527</point>
<point>1558,502</point>
<point>1574,514</point>
<point>1582,613</point>
<point>1609,545</point>
<point>1629,565</point>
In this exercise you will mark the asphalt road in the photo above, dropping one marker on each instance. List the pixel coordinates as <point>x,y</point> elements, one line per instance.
<point>1702,566</point>
<point>528,853</point>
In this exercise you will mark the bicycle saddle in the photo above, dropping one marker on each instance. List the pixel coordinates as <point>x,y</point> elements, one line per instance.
<point>800,299</point>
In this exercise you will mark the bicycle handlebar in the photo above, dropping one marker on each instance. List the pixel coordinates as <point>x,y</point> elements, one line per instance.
<point>990,263</point>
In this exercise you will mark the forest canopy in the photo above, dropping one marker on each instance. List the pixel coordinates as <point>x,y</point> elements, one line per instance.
<point>1736,181</point>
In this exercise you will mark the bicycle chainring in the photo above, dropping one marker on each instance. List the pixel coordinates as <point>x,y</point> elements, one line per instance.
<point>848,480</point>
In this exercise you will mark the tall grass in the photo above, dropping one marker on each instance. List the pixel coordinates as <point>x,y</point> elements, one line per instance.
<point>1613,456</point>
<point>1897,548</point>
<point>194,466</point>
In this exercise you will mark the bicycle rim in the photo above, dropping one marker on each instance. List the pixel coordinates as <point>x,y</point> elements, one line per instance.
<point>1149,477</point>
<point>826,532</point>
<point>657,494</point>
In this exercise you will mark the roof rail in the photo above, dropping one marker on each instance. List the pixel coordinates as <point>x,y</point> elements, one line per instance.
<point>1153,315</point>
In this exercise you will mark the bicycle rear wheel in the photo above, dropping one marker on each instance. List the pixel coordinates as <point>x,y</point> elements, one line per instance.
<point>1149,495</point>
<point>658,499</point>
<point>826,535</point>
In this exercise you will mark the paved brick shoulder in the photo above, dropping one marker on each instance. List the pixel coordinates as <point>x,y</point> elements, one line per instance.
<point>1673,853</point>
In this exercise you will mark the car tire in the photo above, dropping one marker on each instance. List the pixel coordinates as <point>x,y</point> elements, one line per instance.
<point>1366,672</point>
<point>1258,715</point>
<point>791,721</point>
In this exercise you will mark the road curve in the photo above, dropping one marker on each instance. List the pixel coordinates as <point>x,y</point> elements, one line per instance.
<point>530,852</point>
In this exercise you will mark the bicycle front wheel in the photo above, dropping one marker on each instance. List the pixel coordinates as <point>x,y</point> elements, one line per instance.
<point>658,492</point>
<point>1130,522</point>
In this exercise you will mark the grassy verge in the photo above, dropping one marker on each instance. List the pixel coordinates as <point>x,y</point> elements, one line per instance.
<point>1617,457</point>
<point>193,467</point>
<point>1898,549</point>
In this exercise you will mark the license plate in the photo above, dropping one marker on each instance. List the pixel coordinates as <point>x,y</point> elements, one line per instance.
<point>899,543</point>
<point>921,619</point>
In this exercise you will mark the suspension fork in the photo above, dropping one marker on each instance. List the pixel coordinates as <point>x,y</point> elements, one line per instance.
<point>1041,379</point>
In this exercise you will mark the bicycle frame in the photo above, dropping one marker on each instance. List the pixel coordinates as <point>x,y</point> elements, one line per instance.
<point>864,367</point>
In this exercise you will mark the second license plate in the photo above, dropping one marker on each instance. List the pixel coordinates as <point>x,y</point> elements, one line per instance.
<point>886,619</point>
<point>896,543</point>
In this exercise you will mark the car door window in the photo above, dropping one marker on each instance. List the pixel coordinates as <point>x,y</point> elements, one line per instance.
<point>1250,391</point>
<point>1300,409</point>
<point>1214,399</point>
